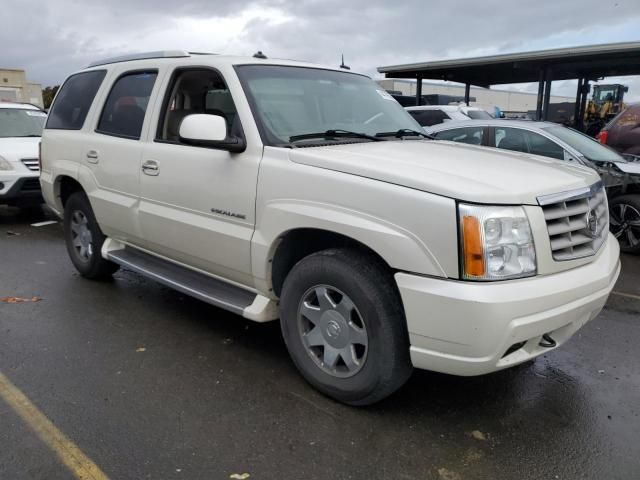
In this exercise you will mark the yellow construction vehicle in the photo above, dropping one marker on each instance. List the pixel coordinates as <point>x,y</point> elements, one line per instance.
<point>606,102</point>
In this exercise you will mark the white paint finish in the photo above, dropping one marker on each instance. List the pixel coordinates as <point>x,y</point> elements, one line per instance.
<point>262,310</point>
<point>203,127</point>
<point>464,328</point>
<point>455,170</point>
<point>176,211</point>
<point>411,230</point>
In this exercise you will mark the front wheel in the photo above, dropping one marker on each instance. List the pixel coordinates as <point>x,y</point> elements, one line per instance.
<point>624,217</point>
<point>84,239</point>
<point>343,323</point>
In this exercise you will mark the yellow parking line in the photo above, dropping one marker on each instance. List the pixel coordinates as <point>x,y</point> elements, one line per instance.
<point>628,295</point>
<point>77,462</point>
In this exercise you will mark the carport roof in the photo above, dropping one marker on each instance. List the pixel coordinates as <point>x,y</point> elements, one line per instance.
<point>592,62</point>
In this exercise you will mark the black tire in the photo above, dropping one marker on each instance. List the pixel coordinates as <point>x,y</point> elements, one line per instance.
<point>369,284</point>
<point>624,220</point>
<point>91,266</point>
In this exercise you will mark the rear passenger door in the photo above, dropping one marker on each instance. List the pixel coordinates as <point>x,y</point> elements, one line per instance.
<point>197,203</point>
<point>114,152</point>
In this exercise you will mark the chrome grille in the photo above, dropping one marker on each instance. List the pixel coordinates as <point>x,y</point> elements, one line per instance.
<point>577,221</point>
<point>32,164</point>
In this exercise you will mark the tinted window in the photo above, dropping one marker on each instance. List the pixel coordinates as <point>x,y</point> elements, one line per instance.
<point>471,135</point>
<point>124,110</point>
<point>74,100</point>
<point>426,118</point>
<point>478,115</point>
<point>196,91</point>
<point>527,142</point>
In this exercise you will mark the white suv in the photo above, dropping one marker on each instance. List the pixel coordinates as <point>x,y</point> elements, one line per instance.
<point>277,189</point>
<point>20,129</point>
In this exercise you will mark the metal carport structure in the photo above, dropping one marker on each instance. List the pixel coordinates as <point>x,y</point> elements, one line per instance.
<point>587,63</point>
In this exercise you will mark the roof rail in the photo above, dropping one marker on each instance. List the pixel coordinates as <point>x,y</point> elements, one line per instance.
<point>142,56</point>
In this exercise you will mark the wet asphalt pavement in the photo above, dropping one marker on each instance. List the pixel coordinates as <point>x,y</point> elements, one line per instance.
<point>149,383</point>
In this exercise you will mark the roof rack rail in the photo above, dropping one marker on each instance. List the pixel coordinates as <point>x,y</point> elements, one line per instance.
<point>142,56</point>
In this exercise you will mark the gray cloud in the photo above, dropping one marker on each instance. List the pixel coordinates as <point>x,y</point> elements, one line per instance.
<point>52,39</point>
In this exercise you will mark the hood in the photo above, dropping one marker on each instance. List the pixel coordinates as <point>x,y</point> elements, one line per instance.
<point>16,148</point>
<point>632,168</point>
<point>455,170</point>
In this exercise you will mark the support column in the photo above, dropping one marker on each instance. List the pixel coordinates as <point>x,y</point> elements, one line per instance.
<point>419,89</point>
<point>467,90</point>
<point>577,120</point>
<point>583,101</point>
<point>540,95</point>
<point>547,95</point>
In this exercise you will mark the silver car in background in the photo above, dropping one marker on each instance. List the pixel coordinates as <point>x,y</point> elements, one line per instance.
<point>621,176</point>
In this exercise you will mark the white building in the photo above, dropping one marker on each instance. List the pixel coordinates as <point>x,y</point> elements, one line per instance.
<point>14,87</point>
<point>487,98</point>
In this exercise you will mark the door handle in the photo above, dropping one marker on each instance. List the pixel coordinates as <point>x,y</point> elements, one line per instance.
<point>92,156</point>
<point>151,167</point>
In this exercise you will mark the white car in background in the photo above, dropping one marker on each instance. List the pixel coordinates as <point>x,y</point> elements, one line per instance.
<point>428,115</point>
<point>20,130</point>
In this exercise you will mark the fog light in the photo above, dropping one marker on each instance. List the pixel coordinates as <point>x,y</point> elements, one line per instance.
<point>1,186</point>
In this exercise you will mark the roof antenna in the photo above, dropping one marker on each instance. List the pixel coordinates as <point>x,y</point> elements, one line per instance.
<point>342,65</point>
<point>259,54</point>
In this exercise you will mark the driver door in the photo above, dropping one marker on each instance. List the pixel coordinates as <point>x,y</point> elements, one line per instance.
<point>197,204</point>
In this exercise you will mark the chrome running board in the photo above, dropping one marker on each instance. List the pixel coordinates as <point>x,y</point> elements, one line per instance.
<point>198,285</point>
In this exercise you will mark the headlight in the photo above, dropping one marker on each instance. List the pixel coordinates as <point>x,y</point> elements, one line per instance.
<point>496,242</point>
<point>5,165</point>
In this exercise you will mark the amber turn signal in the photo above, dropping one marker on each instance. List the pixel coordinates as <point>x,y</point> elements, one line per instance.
<point>472,244</point>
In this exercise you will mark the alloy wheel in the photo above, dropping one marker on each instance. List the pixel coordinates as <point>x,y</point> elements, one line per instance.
<point>81,236</point>
<point>333,331</point>
<point>625,224</point>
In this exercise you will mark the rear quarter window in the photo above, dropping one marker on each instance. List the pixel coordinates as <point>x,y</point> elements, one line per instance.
<point>427,118</point>
<point>74,99</point>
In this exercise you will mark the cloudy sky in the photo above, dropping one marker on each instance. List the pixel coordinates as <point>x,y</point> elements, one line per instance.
<point>52,38</point>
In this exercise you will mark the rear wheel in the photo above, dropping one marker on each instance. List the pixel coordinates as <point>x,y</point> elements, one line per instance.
<point>84,239</point>
<point>624,217</point>
<point>344,326</point>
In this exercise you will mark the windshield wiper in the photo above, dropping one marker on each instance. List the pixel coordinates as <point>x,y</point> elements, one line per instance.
<point>26,136</point>
<point>330,134</point>
<point>405,132</point>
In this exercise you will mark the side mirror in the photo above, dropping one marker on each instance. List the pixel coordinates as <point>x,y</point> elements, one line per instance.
<point>210,131</point>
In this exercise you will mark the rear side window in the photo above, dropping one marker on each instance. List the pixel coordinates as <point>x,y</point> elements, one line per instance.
<point>471,135</point>
<point>528,142</point>
<point>125,108</point>
<point>74,100</point>
<point>426,118</point>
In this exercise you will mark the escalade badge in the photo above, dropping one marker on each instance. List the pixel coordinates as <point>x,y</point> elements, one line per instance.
<point>227,213</point>
<point>593,227</point>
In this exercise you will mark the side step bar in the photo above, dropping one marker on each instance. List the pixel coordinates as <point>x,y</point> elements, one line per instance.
<point>198,285</point>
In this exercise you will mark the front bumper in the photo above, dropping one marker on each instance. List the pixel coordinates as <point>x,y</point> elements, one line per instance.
<point>466,328</point>
<point>16,189</point>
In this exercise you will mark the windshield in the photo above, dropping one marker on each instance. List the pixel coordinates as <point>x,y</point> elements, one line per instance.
<point>479,115</point>
<point>587,146</point>
<point>293,101</point>
<point>18,122</point>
